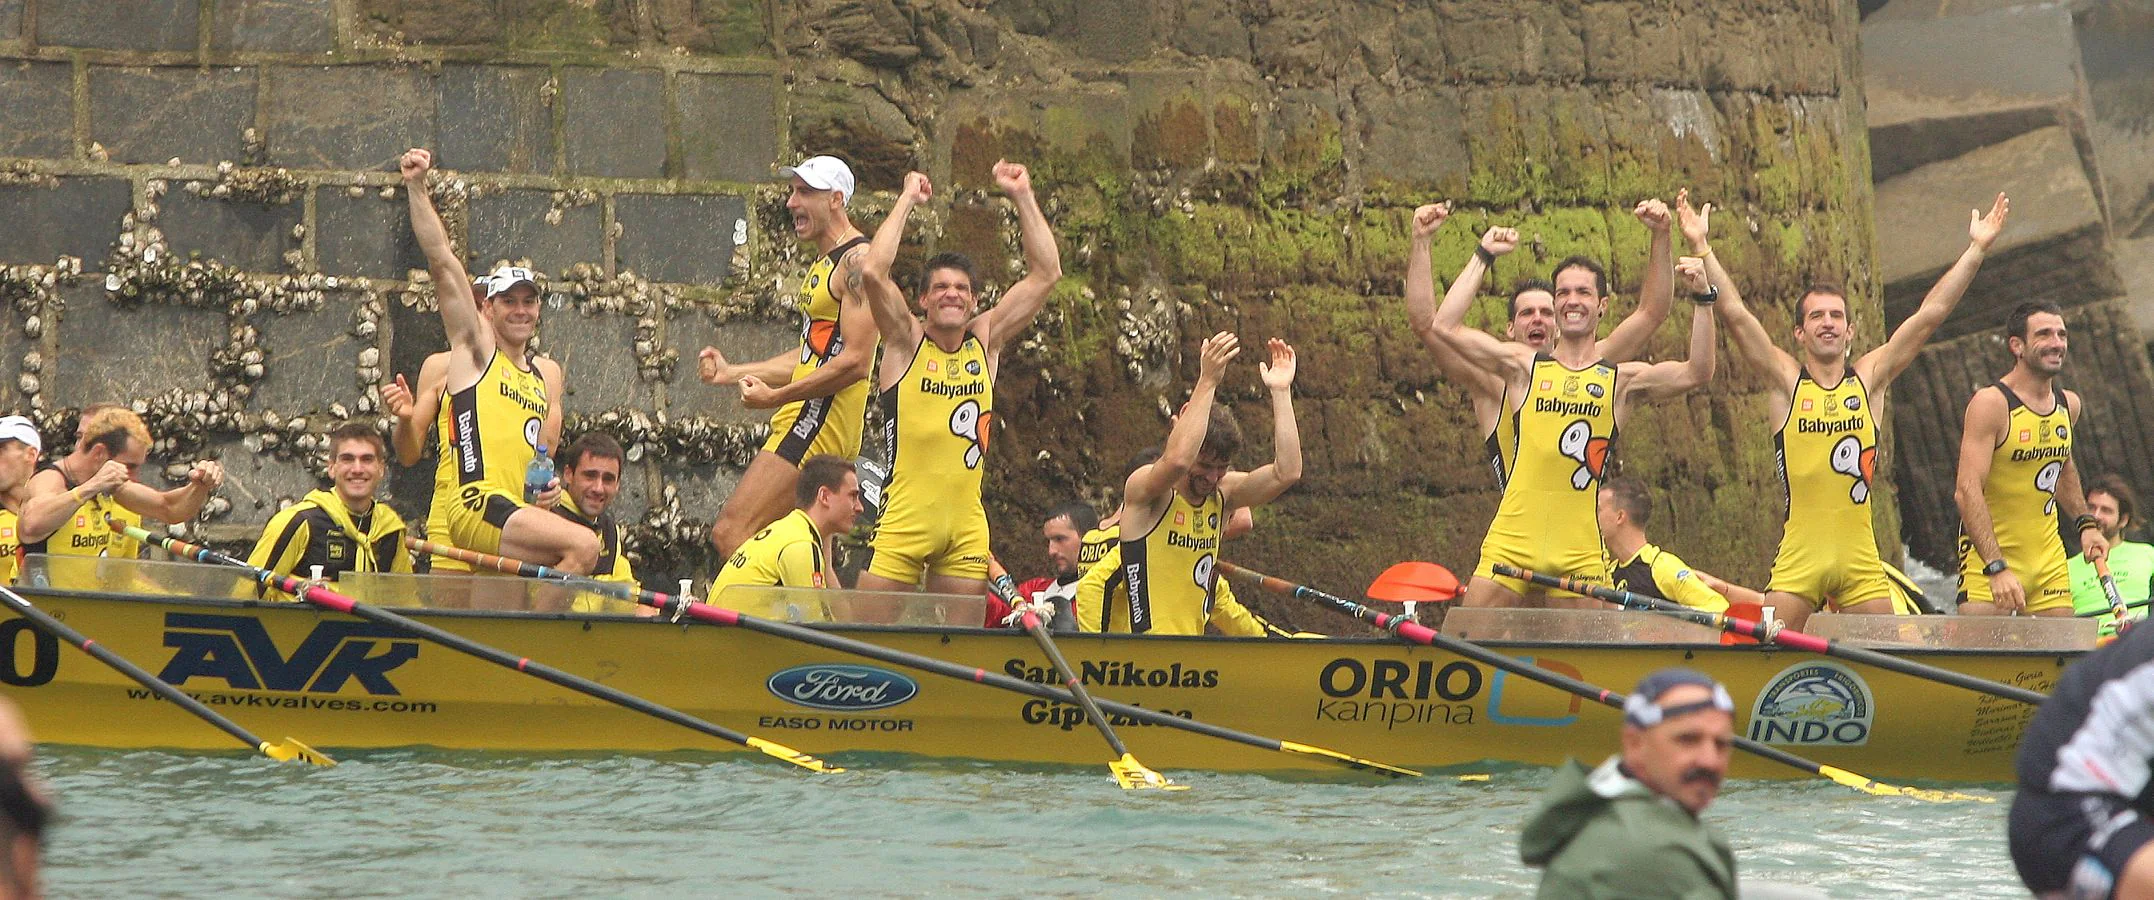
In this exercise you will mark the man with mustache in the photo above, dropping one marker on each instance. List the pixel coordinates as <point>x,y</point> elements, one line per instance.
<point>1630,828</point>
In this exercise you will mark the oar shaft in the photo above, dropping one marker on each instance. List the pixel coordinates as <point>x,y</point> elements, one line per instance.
<point>45,622</point>
<point>999,581</point>
<point>1781,636</point>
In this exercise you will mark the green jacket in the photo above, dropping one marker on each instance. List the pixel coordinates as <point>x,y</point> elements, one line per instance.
<point>1603,836</point>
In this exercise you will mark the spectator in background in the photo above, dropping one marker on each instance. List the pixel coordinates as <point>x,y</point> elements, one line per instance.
<point>2115,510</point>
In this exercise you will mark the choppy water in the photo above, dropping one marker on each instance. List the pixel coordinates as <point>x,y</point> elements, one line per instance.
<point>433,823</point>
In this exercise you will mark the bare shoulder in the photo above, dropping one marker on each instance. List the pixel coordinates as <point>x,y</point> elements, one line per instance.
<point>47,481</point>
<point>2071,403</point>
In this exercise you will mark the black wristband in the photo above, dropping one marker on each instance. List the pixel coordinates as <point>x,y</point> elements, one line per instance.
<point>2084,522</point>
<point>1486,257</point>
<point>1995,566</point>
<point>1711,295</point>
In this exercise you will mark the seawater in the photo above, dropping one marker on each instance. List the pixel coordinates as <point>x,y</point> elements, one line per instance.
<point>428,823</point>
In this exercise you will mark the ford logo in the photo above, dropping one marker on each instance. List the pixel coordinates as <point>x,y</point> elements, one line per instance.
<point>840,687</point>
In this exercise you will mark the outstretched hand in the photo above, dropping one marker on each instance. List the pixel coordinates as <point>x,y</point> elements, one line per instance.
<point>1278,374</point>
<point>414,165</point>
<point>1983,230</point>
<point>1430,217</point>
<point>1011,177</point>
<point>1695,222</point>
<point>1212,359</point>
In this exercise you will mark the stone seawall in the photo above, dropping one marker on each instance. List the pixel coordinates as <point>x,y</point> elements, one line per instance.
<point>223,172</point>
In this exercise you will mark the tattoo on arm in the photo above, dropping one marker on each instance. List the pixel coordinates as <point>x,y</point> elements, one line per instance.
<point>854,277</point>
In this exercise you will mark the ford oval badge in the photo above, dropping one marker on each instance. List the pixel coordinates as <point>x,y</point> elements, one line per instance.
<point>842,687</point>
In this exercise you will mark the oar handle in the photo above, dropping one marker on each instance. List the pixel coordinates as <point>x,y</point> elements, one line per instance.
<point>615,589</point>
<point>998,580</point>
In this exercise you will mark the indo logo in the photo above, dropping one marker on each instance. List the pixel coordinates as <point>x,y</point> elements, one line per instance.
<point>842,687</point>
<point>1819,703</point>
<point>238,650</point>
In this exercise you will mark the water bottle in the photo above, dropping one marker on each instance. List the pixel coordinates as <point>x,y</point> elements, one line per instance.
<point>537,475</point>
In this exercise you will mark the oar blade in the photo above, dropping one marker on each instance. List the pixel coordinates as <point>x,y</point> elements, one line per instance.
<point>1418,581</point>
<point>1356,762</point>
<point>793,756</point>
<point>291,749</point>
<point>1880,789</point>
<point>1132,776</point>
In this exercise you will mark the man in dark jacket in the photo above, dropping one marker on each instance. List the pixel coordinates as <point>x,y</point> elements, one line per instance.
<point>1630,828</point>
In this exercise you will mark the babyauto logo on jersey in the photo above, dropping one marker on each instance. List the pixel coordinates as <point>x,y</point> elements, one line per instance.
<point>1814,704</point>
<point>843,688</point>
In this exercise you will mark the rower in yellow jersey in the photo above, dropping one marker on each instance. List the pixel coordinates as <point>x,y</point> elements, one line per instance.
<point>792,552</point>
<point>820,390</point>
<point>1826,410</point>
<point>2016,475</point>
<point>1159,579</point>
<point>19,447</point>
<point>502,404</point>
<point>937,388</point>
<point>1571,401</point>
<point>65,504</point>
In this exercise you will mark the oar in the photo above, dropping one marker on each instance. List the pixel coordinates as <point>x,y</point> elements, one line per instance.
<point>315,593</point>
<point>288,750</point>
<point>1417,633</point>
<point>675,608</point>
<point>2116,597</point>
<point>1128,772</point>
<point>1775,634</point>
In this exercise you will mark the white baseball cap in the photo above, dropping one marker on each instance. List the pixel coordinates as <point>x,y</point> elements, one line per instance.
<point>17,428</point>
<point>823,173</point>
<point>507,277</point>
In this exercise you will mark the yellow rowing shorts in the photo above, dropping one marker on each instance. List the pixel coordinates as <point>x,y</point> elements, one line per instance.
<point>2048,581</point>
<point>473,520</point>
<point>1514,540</point>
<point>1840,571</point>
<point>941,538</point>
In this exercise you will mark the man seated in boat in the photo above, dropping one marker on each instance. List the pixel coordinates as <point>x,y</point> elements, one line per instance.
<point>1630,828</point>
<point>794,551</point>
<point>1162,581</point>
<point>1826,413</point>
<point>342,529</point>
<point>2016,475</point>
<point>591,473</point>
<point>65,504</point>
<point>2131,564</point>
<point>19,447</point>
<point>1064,530</point>
<point>1635,563</point>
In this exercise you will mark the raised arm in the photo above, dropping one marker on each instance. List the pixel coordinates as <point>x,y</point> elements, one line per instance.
<point>1479,351</point>
<point>1043,261</point>
<point>1752,345</point>
<point>1272,479</point>
<point>556,400</point>
<point>899,329</point>
<point>1880,366</point>
<point>452,284</point>
<point>856,326</point>
<point>1667,380</point>
<point>712,368</point>
<point>1656,294</point>
<point>414,413</point>
<point>51,501</point>
<point>1495,242</point>
<point>1985,423</point>
<point>178,504</point>
<point>1150,484</point>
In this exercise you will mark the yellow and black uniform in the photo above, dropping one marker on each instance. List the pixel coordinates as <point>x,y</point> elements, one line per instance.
<point>789,553</point>
<point>85,533</point>
<point>489,435</point>
<point>10,545</point>
<point>612,563</point>
<point>1658,573</point>
<point>820,425</point>
<point>1502,442</point>
<point>321,531</point>
<point>2021,491</point>
<point>1561,432</point>
<point>1163,583</point>
<point>1827,451</point>
<point>1097,545</point>
<point>935,437</point>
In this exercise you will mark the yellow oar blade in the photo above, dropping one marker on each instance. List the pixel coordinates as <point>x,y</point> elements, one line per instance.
<point>1879,789</point>
<point>1132,775</point>
<point>292,749</point>
<point>793,756</point>
<point>1356,762</point>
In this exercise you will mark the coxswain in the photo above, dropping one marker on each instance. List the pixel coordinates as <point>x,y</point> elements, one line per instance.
<point>1826,410</point>
<point>2082,822</point>
<point>1564,407</point>
<point>819,390</point>
<point>19,447</point>
<point>936,384</point>
<point>2131,563</point>
<point>66,503</point>
<point>795,551</point>
<point>1161,578</point>
<point>1064,531</point>
<point>1635,564</point>
<point>342,529</point>
<point>503,403</point>
<point>1531,312</point>
<point>2016,475</point>
<point>591,479</point>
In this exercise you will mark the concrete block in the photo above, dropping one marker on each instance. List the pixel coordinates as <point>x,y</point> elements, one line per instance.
<point>1940,88</point>
<point>280,26</point>
<point>684,238</point>
<point>252,236</point>
<point>11,20</point>
<point>364,235</point>
<point>1411,140</point>
<point>419,334</point>
<point>119,24</point>
<point>310,359</point>
<point>597,354</point>
<point>2135,267</point>
<point>726,27</point>
<point>346,117</point>
<point>492,119</point>
<point>729,126</point>
<point>2055,246</point>
<point>37,109</point>
<point>13,344</point>
<point>688,332</point>
<point>512,225</point>
<point>149,115</point>
<point>80,217</point>
<point>172,348</point>
<point>616,122</point>
<point>2113,45</point>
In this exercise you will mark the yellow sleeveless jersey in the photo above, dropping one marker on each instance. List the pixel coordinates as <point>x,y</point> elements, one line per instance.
<point>1163,582</point>
<point>1097,544</point>
<point>936,437</point>
<point>10,545</point>
<point>1502,443</point>
<point>1827,451</point>
<point>788,553</point>
<point>490,431</point>
<point>822,424</point>
<point>1562,434</point>
<point>2021,491</point>
<point>85,532</point>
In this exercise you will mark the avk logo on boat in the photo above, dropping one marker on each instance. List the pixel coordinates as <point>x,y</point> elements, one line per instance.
<point>238,650</point>
<point>1815,703</point>
<point>842,687</point>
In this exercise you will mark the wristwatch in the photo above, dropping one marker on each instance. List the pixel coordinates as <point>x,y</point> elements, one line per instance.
<point>1706,298</point>
<point>1995,566</point>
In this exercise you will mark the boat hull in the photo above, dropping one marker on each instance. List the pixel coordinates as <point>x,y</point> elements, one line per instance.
<point>338,682</point>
